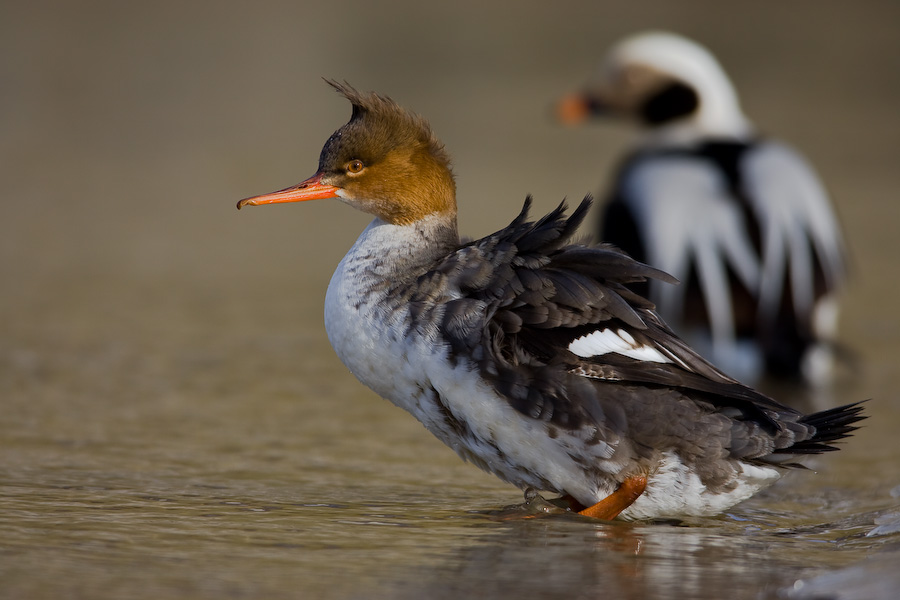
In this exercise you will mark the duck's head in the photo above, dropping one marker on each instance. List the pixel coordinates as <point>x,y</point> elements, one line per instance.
<point>659,79</point>
<point>385,161</point>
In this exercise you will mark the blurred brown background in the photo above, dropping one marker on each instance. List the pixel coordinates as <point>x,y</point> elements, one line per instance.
<point>128,130</point>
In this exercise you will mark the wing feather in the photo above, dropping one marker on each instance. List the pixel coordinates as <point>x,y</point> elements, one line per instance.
<point>533,295</point>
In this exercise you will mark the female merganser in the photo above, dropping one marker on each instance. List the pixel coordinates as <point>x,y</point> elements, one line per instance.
<point>742,219</point>
<point>529,356</point>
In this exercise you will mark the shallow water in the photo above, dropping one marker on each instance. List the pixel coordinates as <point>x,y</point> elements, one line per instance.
<point>230,472</point>
<point>174,423</point>
<point>232,485</point>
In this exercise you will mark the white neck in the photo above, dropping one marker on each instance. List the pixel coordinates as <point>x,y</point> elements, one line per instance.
<point>697,128</point>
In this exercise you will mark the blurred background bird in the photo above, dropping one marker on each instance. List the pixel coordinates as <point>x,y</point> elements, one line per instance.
<point>740,218</point>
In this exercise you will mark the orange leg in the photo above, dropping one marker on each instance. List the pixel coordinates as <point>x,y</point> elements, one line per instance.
<point>624,496</point>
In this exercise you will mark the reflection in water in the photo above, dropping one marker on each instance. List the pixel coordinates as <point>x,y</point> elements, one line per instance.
<point>557,557</point>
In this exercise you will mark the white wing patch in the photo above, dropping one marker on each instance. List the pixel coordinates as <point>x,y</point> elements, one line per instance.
<point>605,341</point>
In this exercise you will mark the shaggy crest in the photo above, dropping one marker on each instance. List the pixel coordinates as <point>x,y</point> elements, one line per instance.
<point>388,122</point>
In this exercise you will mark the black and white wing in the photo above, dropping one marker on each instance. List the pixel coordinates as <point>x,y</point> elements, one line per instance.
<point>749,229</point>
<point>801,245</point>
<point>556,330</point>
<point>677,211</point>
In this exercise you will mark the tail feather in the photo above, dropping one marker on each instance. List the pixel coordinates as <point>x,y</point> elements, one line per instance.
<point>831,426</point>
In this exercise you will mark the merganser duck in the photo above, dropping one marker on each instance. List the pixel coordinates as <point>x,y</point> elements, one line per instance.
<point>742,219</point>
<point>530,357</point>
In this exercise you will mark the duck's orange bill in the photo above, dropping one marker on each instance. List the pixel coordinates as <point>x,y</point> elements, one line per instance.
<point>572,109</point>
<point>311,189</point>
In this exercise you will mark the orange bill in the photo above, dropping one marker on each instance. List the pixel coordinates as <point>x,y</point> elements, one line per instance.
<point>572,109</point>
<point>311,189</point>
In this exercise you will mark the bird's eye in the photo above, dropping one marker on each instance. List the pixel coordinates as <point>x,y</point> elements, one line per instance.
<point>355,166</point>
